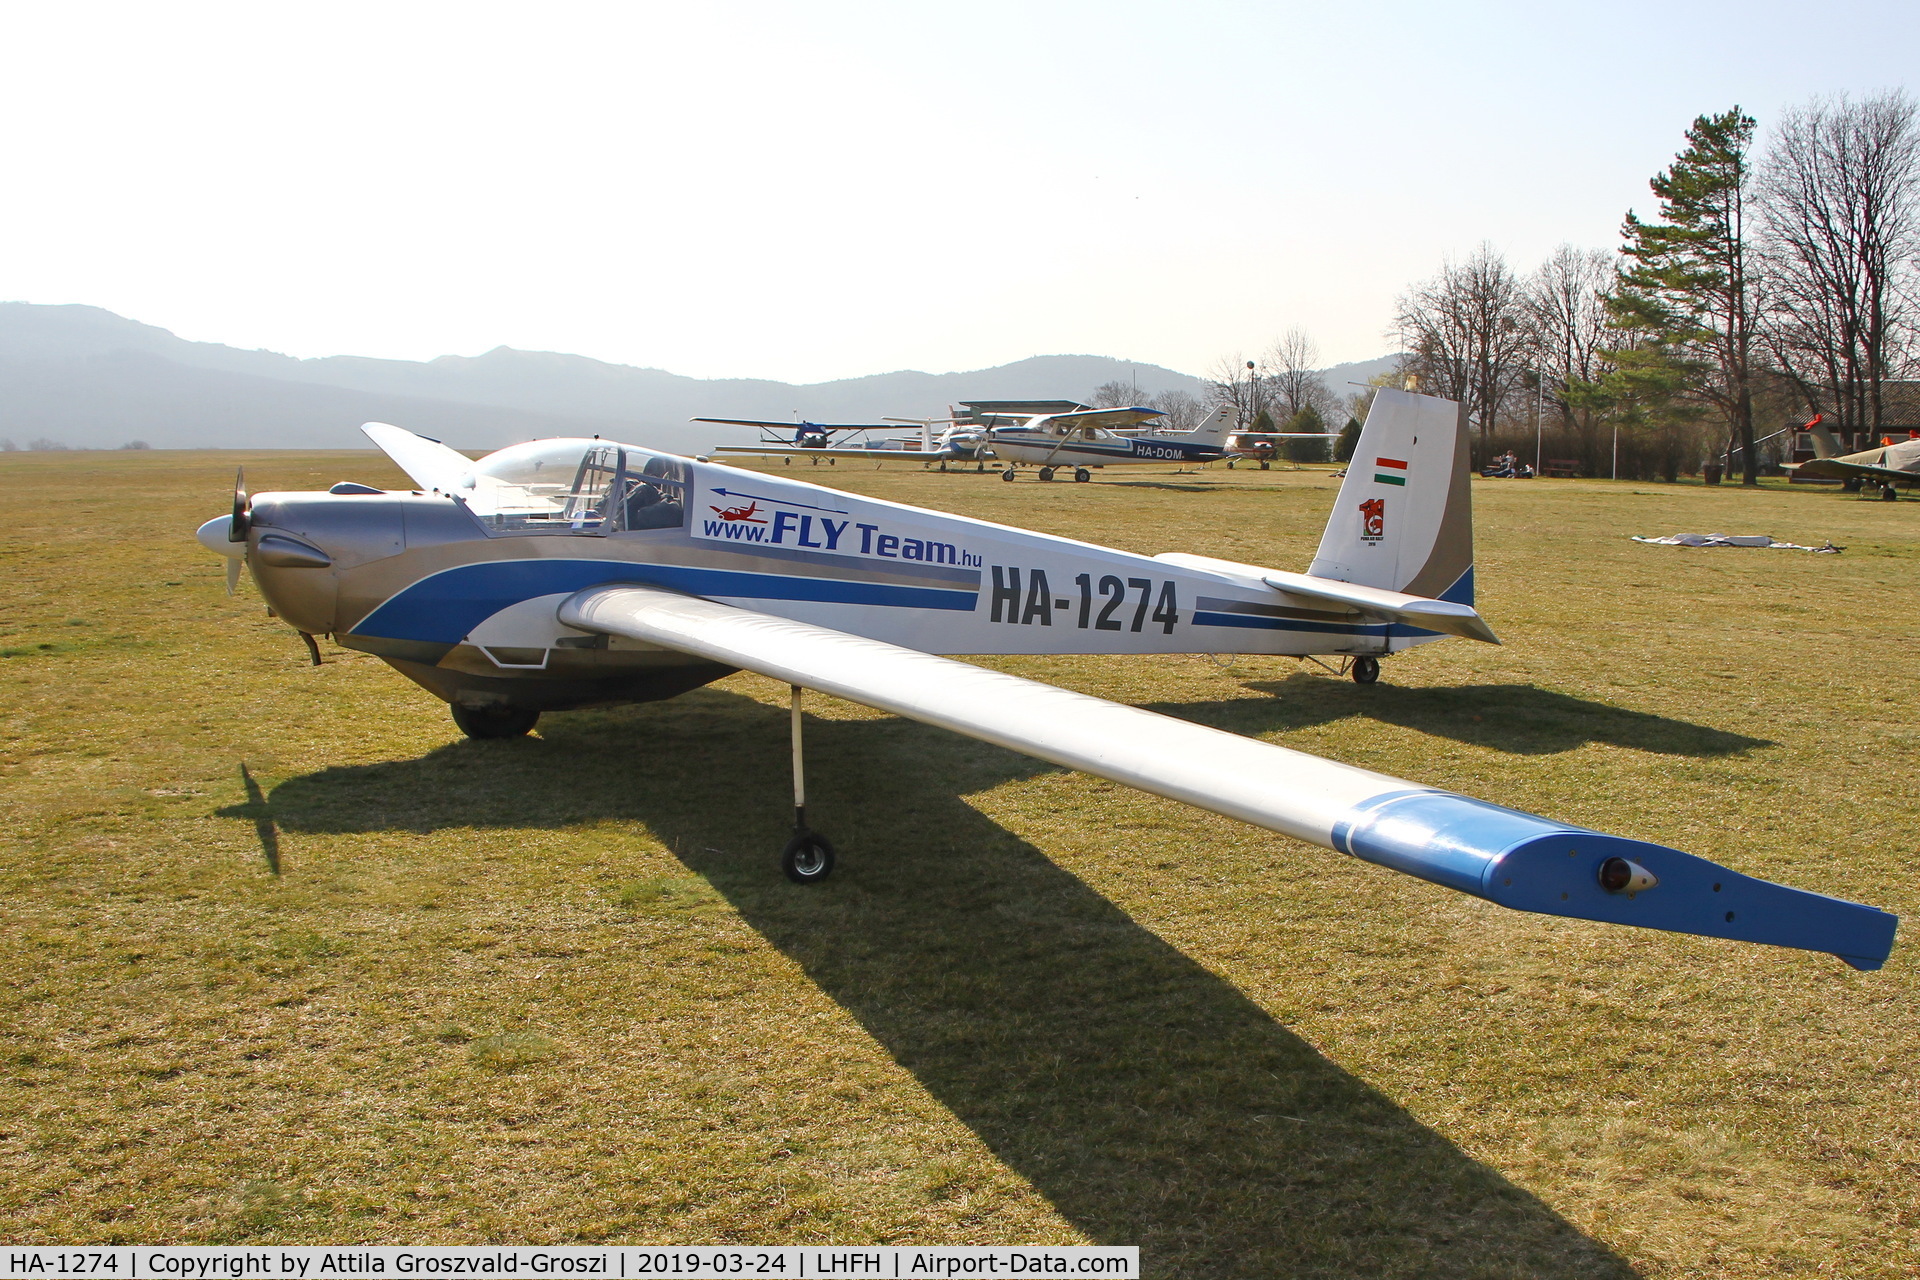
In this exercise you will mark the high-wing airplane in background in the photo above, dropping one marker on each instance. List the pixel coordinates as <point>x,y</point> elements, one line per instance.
<point>1087,438</point>
<point>1895,462</point>
<point>953,443</point>
<point>569,573</point>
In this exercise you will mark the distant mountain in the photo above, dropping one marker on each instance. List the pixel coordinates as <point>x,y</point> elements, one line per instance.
<point>87,378</point>
<point>1340,377</point>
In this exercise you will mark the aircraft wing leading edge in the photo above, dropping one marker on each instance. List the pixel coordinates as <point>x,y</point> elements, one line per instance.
<point>1508,857</point>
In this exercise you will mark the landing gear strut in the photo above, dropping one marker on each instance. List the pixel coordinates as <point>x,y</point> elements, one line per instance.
<point>494,722</point>
<point>808,858</point>
<point>1365,670</point>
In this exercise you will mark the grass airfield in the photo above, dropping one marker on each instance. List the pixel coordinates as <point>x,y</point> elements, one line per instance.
<point>285,959</point>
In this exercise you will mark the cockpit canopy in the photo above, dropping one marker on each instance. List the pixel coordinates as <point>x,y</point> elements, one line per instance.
<point>576,486</point>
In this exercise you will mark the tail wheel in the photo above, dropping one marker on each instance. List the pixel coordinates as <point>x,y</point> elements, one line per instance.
<point>1081,475</point>
<point>495,722</point>
<point>1365,670</point>
<point>1007,474</point>
<point>807,859</point>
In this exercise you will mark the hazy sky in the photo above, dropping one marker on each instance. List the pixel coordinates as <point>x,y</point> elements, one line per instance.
<point>820,190</point>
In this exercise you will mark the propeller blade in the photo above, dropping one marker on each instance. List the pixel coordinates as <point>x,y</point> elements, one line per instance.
<point>233,574</point>
<point>242,507</point>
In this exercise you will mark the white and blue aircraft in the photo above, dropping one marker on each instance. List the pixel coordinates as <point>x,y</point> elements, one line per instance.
<point>571,573</point>
<point>1088,438</point>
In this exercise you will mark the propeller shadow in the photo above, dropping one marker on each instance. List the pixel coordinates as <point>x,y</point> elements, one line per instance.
<point>1521,719</point>
<point>257,809</point>
<point>1148,1100</point>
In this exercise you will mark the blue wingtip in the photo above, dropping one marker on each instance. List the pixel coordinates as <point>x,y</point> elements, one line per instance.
<point>1531,864</point>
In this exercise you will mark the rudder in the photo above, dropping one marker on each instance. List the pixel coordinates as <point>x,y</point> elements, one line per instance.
<point>1404,517</point>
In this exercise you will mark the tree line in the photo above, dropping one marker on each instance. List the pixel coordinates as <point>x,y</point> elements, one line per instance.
<point>1773,282</point>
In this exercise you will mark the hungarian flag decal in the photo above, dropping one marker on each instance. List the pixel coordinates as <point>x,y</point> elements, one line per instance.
<point>1395,463</point>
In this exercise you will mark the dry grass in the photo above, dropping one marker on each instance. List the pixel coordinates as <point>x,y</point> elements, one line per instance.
<point>556,990</point>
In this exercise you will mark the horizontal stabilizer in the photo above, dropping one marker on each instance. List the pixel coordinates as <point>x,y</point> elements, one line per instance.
<point>1512,858</point>
<point>1374,603</point>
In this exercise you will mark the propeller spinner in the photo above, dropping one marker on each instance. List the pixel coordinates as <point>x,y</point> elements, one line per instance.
<point>228,537</point>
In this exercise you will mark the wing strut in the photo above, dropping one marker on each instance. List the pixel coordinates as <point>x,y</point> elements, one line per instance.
<point>1506,856</point>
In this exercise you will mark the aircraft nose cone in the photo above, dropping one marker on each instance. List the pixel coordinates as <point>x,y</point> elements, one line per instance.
<point>213,535</point>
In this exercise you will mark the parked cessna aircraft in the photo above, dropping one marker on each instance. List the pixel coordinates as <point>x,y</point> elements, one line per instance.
<point>1087,438</point>
<point>569,573</point>
<point>815,440</point>
<point>1895,462</point>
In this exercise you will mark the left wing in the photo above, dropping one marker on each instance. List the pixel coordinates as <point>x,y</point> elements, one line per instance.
<point>1838,469</point>
<point>1511,858</point>
<point>840,451</point>
<point>1110,418</point>
<point>791,427</point>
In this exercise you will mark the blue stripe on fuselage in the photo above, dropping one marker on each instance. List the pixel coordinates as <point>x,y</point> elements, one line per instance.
<point>1261,622</point>
<point>445,606</point>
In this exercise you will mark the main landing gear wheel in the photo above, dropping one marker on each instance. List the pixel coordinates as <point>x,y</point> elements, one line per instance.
<point>807,859</point>
<point>495,722</point>
<point>1081,475</point>
<point>1889,494</point>
<point>1007,475</point>
<point>1365,670</point>
<point>1851,484</point>
<point>1046,473</point>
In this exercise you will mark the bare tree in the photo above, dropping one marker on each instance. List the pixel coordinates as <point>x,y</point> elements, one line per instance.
<point>1293,380</point>
<point>1840,199</point>
<point>1466,333</point>
<point>1566,303</point>
<point>1237,384</point>
<point>1184,410</point>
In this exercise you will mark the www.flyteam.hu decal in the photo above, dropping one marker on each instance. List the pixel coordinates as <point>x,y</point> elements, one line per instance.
<point>1395,463</point>
<point>783,522</point>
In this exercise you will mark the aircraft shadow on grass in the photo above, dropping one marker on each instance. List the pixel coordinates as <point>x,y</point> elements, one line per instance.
<point>1168,485</point>
<point>1147,1099</point>
<point>1520,719</point>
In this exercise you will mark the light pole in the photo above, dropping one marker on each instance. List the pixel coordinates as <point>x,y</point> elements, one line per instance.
<point>1539,383</point>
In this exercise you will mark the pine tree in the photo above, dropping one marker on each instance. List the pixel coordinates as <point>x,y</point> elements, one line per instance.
<point>1307,420</point>
<point>1685,285</point>
<point>1349,440</point>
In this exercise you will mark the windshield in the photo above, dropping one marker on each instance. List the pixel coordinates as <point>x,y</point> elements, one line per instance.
<point>576,486</point>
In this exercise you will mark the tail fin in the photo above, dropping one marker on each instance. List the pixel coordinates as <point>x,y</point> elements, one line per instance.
<point>1404,517</point>
<point>1824,445</point>
<point>1214,430</point>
